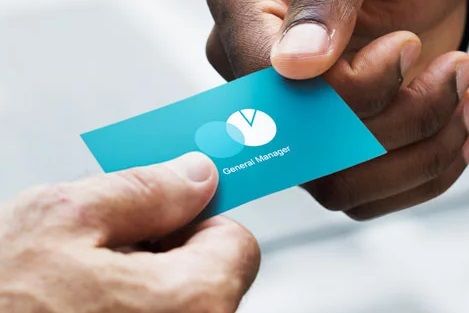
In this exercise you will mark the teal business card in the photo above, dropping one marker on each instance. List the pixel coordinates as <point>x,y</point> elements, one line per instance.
<point>263,132</point>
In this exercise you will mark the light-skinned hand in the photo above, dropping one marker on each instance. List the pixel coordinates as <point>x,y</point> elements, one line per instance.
<point>60,245</point>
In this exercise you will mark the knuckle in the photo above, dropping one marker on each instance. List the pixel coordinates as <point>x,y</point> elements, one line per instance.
<point>44,200</point>
<point>322,11</point>
<point>308,11</point>
<point>45,208</point>
<point>27,252</point>
<point>142,183</point>
<point>436,163</point>
<point>58,194</point>
<point>420,88</point>
<point>158,186</point>
<point>428,122</point>
<point>334,192</point>
<point>426,110</point>
<point>354,87</point>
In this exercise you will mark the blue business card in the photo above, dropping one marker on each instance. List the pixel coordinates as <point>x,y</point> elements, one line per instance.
<point>263,132</point>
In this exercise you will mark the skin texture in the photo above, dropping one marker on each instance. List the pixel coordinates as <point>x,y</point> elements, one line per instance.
<point>245,31</point>
<point>66,248</point>
<point>408,87</point>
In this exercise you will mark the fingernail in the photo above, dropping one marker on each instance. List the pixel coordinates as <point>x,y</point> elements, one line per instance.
<point>462,78</point>
<point>195,166</point>
<point>409,55</point>
<point>305,38</point>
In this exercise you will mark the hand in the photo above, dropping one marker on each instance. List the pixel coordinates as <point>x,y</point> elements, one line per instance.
<point>304,38</point>
<point>410,101</point>
<point>420,124</point>
<point>58,245</point>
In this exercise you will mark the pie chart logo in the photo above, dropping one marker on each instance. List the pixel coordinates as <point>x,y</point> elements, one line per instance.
<point>244,128</point>
<point>257,127</point>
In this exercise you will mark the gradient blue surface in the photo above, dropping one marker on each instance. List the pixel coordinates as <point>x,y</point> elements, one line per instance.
<point>219,139</point>
<point>323,134</point>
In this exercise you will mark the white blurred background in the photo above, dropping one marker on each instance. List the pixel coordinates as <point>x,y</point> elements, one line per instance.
<point>70,66</point>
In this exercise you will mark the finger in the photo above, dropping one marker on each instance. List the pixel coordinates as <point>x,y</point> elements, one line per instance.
<point>148,202</point>
<point>394,173</point>
<point>434,97</point>
<point>410,198</point>
<point>372,78</point>
<point>217,57</point>
<point>247,30</point>
<point>221,259</point>
<point>314,36</point>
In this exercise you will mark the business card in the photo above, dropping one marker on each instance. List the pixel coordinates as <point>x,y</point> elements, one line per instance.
<point>263,132</point>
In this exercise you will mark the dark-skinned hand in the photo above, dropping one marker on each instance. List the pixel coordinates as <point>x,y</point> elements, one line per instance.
<point>412,100</point>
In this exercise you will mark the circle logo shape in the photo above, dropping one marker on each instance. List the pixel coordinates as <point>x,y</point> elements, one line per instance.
<point>219,139</point>
<point>257,127</point>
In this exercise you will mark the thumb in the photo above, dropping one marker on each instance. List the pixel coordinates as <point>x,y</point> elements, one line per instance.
<point>313,37</point>
<point>142,203</point>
